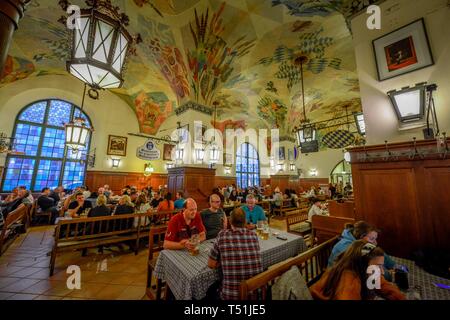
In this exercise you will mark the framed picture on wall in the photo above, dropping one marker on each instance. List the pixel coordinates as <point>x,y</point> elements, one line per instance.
<point>282,153</point>
<point>167,152</point>
<point>402,51</point>
<point>183,133</point>
<point>117,146</point>
<point>199,132</point>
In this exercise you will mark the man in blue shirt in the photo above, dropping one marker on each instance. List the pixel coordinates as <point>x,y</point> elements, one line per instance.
<point>253,212</point>
<point>180,200</point>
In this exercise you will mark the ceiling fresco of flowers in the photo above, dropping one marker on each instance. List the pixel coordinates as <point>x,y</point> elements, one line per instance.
<point>239,53</point>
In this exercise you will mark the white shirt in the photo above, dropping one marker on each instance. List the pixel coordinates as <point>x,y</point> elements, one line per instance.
<point>314,210</point>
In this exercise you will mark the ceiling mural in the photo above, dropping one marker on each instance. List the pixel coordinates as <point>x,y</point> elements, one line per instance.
<point>239,53</point>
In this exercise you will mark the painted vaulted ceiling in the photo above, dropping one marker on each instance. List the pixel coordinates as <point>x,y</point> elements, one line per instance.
<point>237,52</point>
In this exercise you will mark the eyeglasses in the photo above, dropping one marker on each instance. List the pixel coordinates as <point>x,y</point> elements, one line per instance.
<point>367,249</point>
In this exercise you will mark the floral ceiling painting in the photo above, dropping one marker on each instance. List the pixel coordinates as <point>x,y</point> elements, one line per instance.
<point>239,53</point>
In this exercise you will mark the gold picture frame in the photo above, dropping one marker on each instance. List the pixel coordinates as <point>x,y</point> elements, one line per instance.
<point>117,146</point>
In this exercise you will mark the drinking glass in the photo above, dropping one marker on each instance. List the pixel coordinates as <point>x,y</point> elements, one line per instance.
<point>265,231</point>
<point>195,241</point>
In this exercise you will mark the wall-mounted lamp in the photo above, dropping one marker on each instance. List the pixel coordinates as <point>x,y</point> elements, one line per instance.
<point>115,163</point>
<point>227,170</point>
<point>199,154</point>
<point>148,169</point>
<point>280,167</point>
<point>410,105</point>
<point>169,165</point>
<point>313,172</point>
<point>292,167</point>
<point>347,156</point>
<point>360,124</point>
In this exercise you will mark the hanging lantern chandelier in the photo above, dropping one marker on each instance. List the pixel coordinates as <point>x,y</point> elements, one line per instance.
<point>307,131</point>
<point>77,132</point>
<point>100,44</point>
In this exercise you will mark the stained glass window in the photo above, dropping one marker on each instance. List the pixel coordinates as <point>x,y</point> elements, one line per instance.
<point>40,159</point>
<point>247,168</point>
<point>34,113</point>
<point>59,113</point>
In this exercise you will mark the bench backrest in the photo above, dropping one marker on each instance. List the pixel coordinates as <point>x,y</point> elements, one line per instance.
<point>295,217</point>
<point>345,209</point>
<point>97,227</point>
<point>326,227</point>
<point>14,216</point>
<point>311,263</point>
<point>158,218</point>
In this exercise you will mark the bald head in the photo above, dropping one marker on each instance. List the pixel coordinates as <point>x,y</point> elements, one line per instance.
<point>190,209</point>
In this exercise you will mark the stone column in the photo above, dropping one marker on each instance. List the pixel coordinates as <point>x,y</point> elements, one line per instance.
<point>11,11</point>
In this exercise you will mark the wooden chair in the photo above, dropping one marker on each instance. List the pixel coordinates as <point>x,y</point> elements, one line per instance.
<point>311,263</point>
<point>156,241</point>
<point>14,220</point>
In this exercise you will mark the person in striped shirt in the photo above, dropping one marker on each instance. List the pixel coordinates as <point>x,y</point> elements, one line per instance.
<point>236,252</point>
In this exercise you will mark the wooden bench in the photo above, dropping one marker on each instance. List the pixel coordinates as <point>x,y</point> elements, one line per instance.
<point>311,263</point>
<point>156,242</point>
<point>296,222</point>
<point>345,209</point>
<point>327,227</point>
<point>37,212</point>
<point>14,220</point>
<point>84,233</point>
<point>286,207</point>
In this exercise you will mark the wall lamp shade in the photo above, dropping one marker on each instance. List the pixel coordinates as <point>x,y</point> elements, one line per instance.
<point>214,153</point>
<point>115,163</point>
<point>313,172</point>
<point>100,46</point>
<point>409,103</point>
<point>227,170</point>
<point>306,133</point>
<point>199,154</point>
<point>148,169</point>
<point>77,134</point>
<point>292,167</point>
<point>179,154</point>
<point>360,124</point>
<point>280,167</point>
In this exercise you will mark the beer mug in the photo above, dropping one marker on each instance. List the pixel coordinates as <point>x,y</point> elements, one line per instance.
<point>195,241</point>
<point>259,227</point>
<point>265,231</point>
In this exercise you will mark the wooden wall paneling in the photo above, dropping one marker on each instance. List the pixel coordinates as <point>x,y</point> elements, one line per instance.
<point>408,197</point>
<point>221,181</point>
<point>326,227</point>
<point>434,191</point>
<point>388,199</point>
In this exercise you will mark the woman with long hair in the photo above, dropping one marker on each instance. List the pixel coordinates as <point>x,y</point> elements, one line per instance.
<point>167,204</point>
<point>347,279</point>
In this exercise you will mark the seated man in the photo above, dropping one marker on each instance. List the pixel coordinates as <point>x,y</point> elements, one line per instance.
<point>79,205</point>
<point>47,204</point>
<point>182,226</point>
<point>316,208</point>
<point>236,251</point>
<point>253,212</point>
<point>179,202</point>
<point>214,218</point>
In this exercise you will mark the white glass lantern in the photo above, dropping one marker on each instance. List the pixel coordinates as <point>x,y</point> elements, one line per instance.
<point>214,153</point>
<point>199,154</point>
<point>115,163</point>
<point>409,103</point>
<point>100,45</point>
<point>77,134</point>
<point>292,167</point>
<point>306,133</point>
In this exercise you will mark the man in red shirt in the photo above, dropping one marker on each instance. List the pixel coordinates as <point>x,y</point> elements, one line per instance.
<point>182,226</point>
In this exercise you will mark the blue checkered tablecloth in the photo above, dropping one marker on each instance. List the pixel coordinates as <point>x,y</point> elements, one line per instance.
<point>189,277</point>
<point>421,282</point>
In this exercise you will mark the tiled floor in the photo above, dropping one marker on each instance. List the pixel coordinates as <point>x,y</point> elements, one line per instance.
<point>24,271</point>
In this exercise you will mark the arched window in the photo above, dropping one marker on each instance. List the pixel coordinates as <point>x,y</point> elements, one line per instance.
<point>342,172</point>
<point>247,166</point>
<point>41,158</point>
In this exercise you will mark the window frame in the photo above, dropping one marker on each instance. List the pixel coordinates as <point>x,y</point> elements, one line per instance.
<point>246,157</point>
<point>38,158</point>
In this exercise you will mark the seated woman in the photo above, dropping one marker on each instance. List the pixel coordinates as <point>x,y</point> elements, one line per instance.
<point>351,233</point>
<point>125,206</point>
<point>347,279</point>
<point>316,208</point>
<point>167,204</point>
<point>13,195</point>
<point>100,210</point>
<point>142,206</point>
